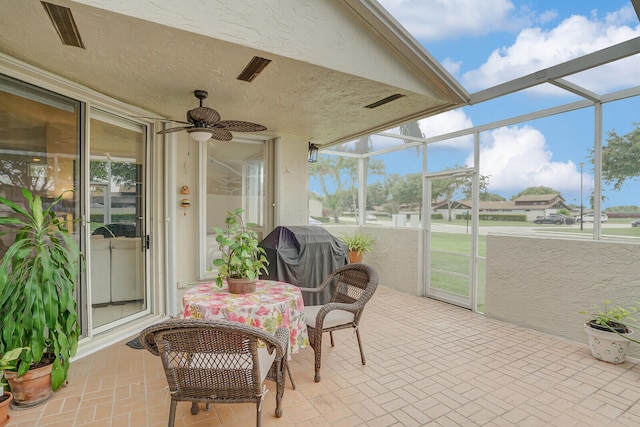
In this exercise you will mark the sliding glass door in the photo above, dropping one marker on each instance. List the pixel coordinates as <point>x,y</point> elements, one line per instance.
<point>118,243</point>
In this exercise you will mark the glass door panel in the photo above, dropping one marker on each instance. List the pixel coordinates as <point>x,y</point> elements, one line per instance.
<point>449,241</point>
<point>118,238</point>
<point>235,178</point>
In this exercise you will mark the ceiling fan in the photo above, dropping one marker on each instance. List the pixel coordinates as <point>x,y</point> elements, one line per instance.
<point>204,123</point>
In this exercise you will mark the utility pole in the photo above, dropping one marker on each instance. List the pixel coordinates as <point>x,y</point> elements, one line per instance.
<point>581,218</point>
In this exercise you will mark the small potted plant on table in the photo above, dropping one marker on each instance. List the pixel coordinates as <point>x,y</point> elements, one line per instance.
<point>609,331</point>
<point>242,259</point>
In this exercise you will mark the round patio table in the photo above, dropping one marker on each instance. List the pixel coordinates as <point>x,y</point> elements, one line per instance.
<point>273,304</point>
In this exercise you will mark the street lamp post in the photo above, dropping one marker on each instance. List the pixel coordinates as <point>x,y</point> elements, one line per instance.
<point>581,218</point>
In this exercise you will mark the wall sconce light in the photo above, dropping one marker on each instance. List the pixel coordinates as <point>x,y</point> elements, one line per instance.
<point>313,153</point>
<point>199,134</point>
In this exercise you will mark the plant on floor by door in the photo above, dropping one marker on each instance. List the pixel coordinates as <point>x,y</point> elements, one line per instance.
<point>38,276</point>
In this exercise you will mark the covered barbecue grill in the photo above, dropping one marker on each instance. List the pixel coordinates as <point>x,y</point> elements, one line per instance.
<point>304,256</point>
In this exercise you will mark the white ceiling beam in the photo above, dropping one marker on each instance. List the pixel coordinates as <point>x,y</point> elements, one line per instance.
<point>578,90</point>
<point>592,60</point>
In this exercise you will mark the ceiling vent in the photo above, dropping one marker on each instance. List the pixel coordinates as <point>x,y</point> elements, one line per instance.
<point>253,68</point>
<point>384,101</point>
<point>63,22</point>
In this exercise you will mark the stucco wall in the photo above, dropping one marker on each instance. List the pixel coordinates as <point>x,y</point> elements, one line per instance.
<point>291,189</point>
<point>396,255</point>
<point>543,283</point>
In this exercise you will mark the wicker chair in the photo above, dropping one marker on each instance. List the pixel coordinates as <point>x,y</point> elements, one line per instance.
<point>354,285</point>
<point>217,361</point>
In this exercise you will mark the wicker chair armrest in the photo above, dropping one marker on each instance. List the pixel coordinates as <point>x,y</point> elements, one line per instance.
<point>320,288</point>
<point>279,341</point>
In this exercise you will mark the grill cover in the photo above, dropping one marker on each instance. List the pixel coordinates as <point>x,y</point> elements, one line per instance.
<point>304,256</point>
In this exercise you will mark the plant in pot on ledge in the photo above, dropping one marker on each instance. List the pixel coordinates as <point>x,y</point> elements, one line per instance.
<point>358,244</point>
<point>242,259</point>
<point>609,331</point>
<point>38,276</point>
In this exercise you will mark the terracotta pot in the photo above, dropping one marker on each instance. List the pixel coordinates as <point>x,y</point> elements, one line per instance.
<point>31,389</point>
<point>355,256</point>
<point>241,286</point>
<point>4,409</point>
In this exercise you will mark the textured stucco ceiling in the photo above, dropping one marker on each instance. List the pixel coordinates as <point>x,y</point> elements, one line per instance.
<point>156,67</point>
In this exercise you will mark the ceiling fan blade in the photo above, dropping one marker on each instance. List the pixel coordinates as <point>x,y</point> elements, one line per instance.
<point>160,119</point>
<point>239,126</point>
<point>220,134</point>
<point>203,114</point>
<point>171,130</point>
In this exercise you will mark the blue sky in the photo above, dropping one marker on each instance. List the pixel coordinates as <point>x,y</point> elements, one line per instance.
<point>483,43</point>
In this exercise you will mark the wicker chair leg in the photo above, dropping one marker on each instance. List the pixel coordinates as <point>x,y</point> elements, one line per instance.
<point>259,414</point>
<point>360,345</point>
<point>331,335</point>
<point>172,413</point>
<point>293,384</point>
<point>317,349</point>
<point>280,379</point>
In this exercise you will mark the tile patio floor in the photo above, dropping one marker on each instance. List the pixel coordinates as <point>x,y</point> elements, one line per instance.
<point>428,364</point>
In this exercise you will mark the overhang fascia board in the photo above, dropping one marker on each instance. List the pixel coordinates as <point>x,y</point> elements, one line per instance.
<point>409,49</point>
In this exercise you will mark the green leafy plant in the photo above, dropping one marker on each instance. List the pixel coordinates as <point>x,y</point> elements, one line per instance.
<point>38,276</point>
<point>358,242</point>
<point>8,361</point>
<point>613,318</point>
<point>242,258</point>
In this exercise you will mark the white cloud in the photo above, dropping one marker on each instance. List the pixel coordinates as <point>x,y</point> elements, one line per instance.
<point>536,49</point>
<point>448,122</point>
<point>516,157</point>
<point>442,19</point>
<point>453,67</point>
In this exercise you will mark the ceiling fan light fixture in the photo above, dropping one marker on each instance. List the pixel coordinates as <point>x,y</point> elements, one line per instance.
<point>199,134</point>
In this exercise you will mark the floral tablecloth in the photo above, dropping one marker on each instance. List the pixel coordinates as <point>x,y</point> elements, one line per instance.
<point>272,305</point>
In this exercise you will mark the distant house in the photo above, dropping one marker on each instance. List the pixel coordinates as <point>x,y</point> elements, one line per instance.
<point>531,205</point>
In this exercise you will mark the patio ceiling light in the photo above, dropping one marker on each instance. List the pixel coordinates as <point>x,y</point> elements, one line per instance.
<point>199,134</point>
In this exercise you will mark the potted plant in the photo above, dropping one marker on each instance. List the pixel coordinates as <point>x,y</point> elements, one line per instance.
<point>38,276</point>
<point>242,260</point>
<point>609,331</point>
<point>358,244</point>
<point>7,361</point>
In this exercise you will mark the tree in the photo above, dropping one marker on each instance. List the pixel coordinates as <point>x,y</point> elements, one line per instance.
<point>485,196</point>
<point>405,189</point>
<point>620,157</point>
<point>338,177</point>
<point>455,188</point>
<point>535,190</point>
<point>377,194</point>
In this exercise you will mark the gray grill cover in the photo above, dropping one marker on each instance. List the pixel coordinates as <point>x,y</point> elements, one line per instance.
<point>304,256</point>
